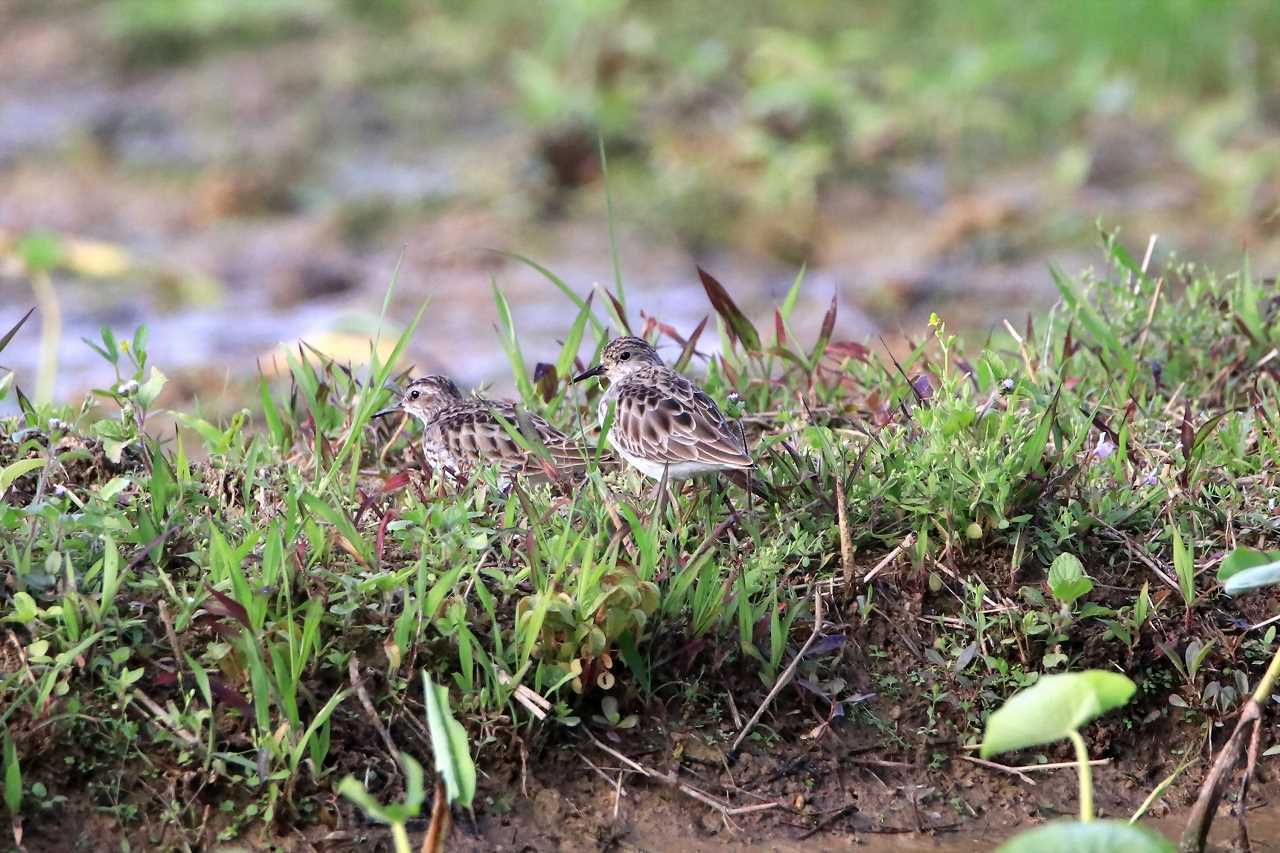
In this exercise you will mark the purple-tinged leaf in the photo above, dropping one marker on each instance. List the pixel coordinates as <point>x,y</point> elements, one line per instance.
<point>229,607</point>
<point>546,380</point>
<point>686,354</point>
<point>824,336</point>
<point>739,326</point>
<point>8,336</point>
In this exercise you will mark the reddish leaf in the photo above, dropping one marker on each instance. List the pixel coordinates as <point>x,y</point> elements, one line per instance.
<point>382,530</point>
<point>1188,436</point>
<point>365,502</point>
<point>229,607</point>
<point>617,309</point>
<point>779,330</point>
<point>395,482</point>
<point>217,626</point>
<point>691,650</point>
<point>545,377</point>
<point>228,695</point>
<point>686,354</point>
<point>670,332</point>
<point>739,326</point>
<point>784,352</point>
<point>824,336</point>
<point>848,349</point>
<point>881,411</point>
<point>729,372</point>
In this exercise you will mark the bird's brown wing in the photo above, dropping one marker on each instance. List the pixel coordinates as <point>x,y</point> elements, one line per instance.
<point>674,424</point>
<point>475,432</point>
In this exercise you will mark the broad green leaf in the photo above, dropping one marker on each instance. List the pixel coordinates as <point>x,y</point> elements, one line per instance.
<point>1098,836</point>
<point>1184,566</point>
<point>110,575</point>
<point>114,487</point>
<point>1053,707</point>
<point>319,720</point>
<point>1033,450</point>
<point>17,469</point>
<point>449,744</point>
<point>24,608</point>
<point>1253,578</point>
<point>1245,558</point>
<point>351,788</point>
<point>12,777</point>
<point>1067,580</point>
<point>149,390</point>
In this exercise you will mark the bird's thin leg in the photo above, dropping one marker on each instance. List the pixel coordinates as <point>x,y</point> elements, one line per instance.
<point>717,487</point>
<point>725,497</point>
<point>660,492</point>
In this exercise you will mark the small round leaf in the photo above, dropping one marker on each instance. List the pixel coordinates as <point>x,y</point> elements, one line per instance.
<point>1098,836</point>
<point>1053,707</point>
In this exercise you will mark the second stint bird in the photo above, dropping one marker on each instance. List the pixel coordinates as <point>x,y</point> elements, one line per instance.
<point>662,422</point>
<point>460,432</point>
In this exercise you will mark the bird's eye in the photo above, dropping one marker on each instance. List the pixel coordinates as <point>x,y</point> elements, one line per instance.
<point>625,356</point>
<point>413,395</point>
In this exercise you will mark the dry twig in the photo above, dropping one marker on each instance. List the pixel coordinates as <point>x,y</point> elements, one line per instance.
<point>890,558</point>
<point>786,676</point>
<point>725,809</point>
<point>1021,772</point>
<point>353,670</point>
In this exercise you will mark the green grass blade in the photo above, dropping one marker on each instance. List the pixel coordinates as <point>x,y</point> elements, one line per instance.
<point>449,744</point>
<point>613,239</point>
<point>511,345</point>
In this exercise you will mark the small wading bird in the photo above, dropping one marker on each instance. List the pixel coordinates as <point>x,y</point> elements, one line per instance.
<point>663,424</point>
<point>460,433</point>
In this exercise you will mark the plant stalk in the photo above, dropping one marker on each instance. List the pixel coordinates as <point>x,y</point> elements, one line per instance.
<point>1086,777</point>
<point>400,838</point>
<point>1268,683</point>
<point>50,335</point>
<point>1196,833</point>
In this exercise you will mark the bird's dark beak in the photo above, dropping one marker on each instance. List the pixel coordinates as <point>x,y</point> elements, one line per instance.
<point>587,374</point>
<point>390,410</point>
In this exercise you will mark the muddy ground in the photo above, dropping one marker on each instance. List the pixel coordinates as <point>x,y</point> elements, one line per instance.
<point>877,773</point>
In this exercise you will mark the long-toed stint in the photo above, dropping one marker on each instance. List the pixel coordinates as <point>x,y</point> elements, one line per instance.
<point>663,424</point>
<point>460,433</point>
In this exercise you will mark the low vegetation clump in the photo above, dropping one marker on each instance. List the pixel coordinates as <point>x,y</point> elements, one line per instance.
<point>208,626</point>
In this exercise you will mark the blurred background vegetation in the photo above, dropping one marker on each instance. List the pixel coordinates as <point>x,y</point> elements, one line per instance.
<point>242,172</point>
